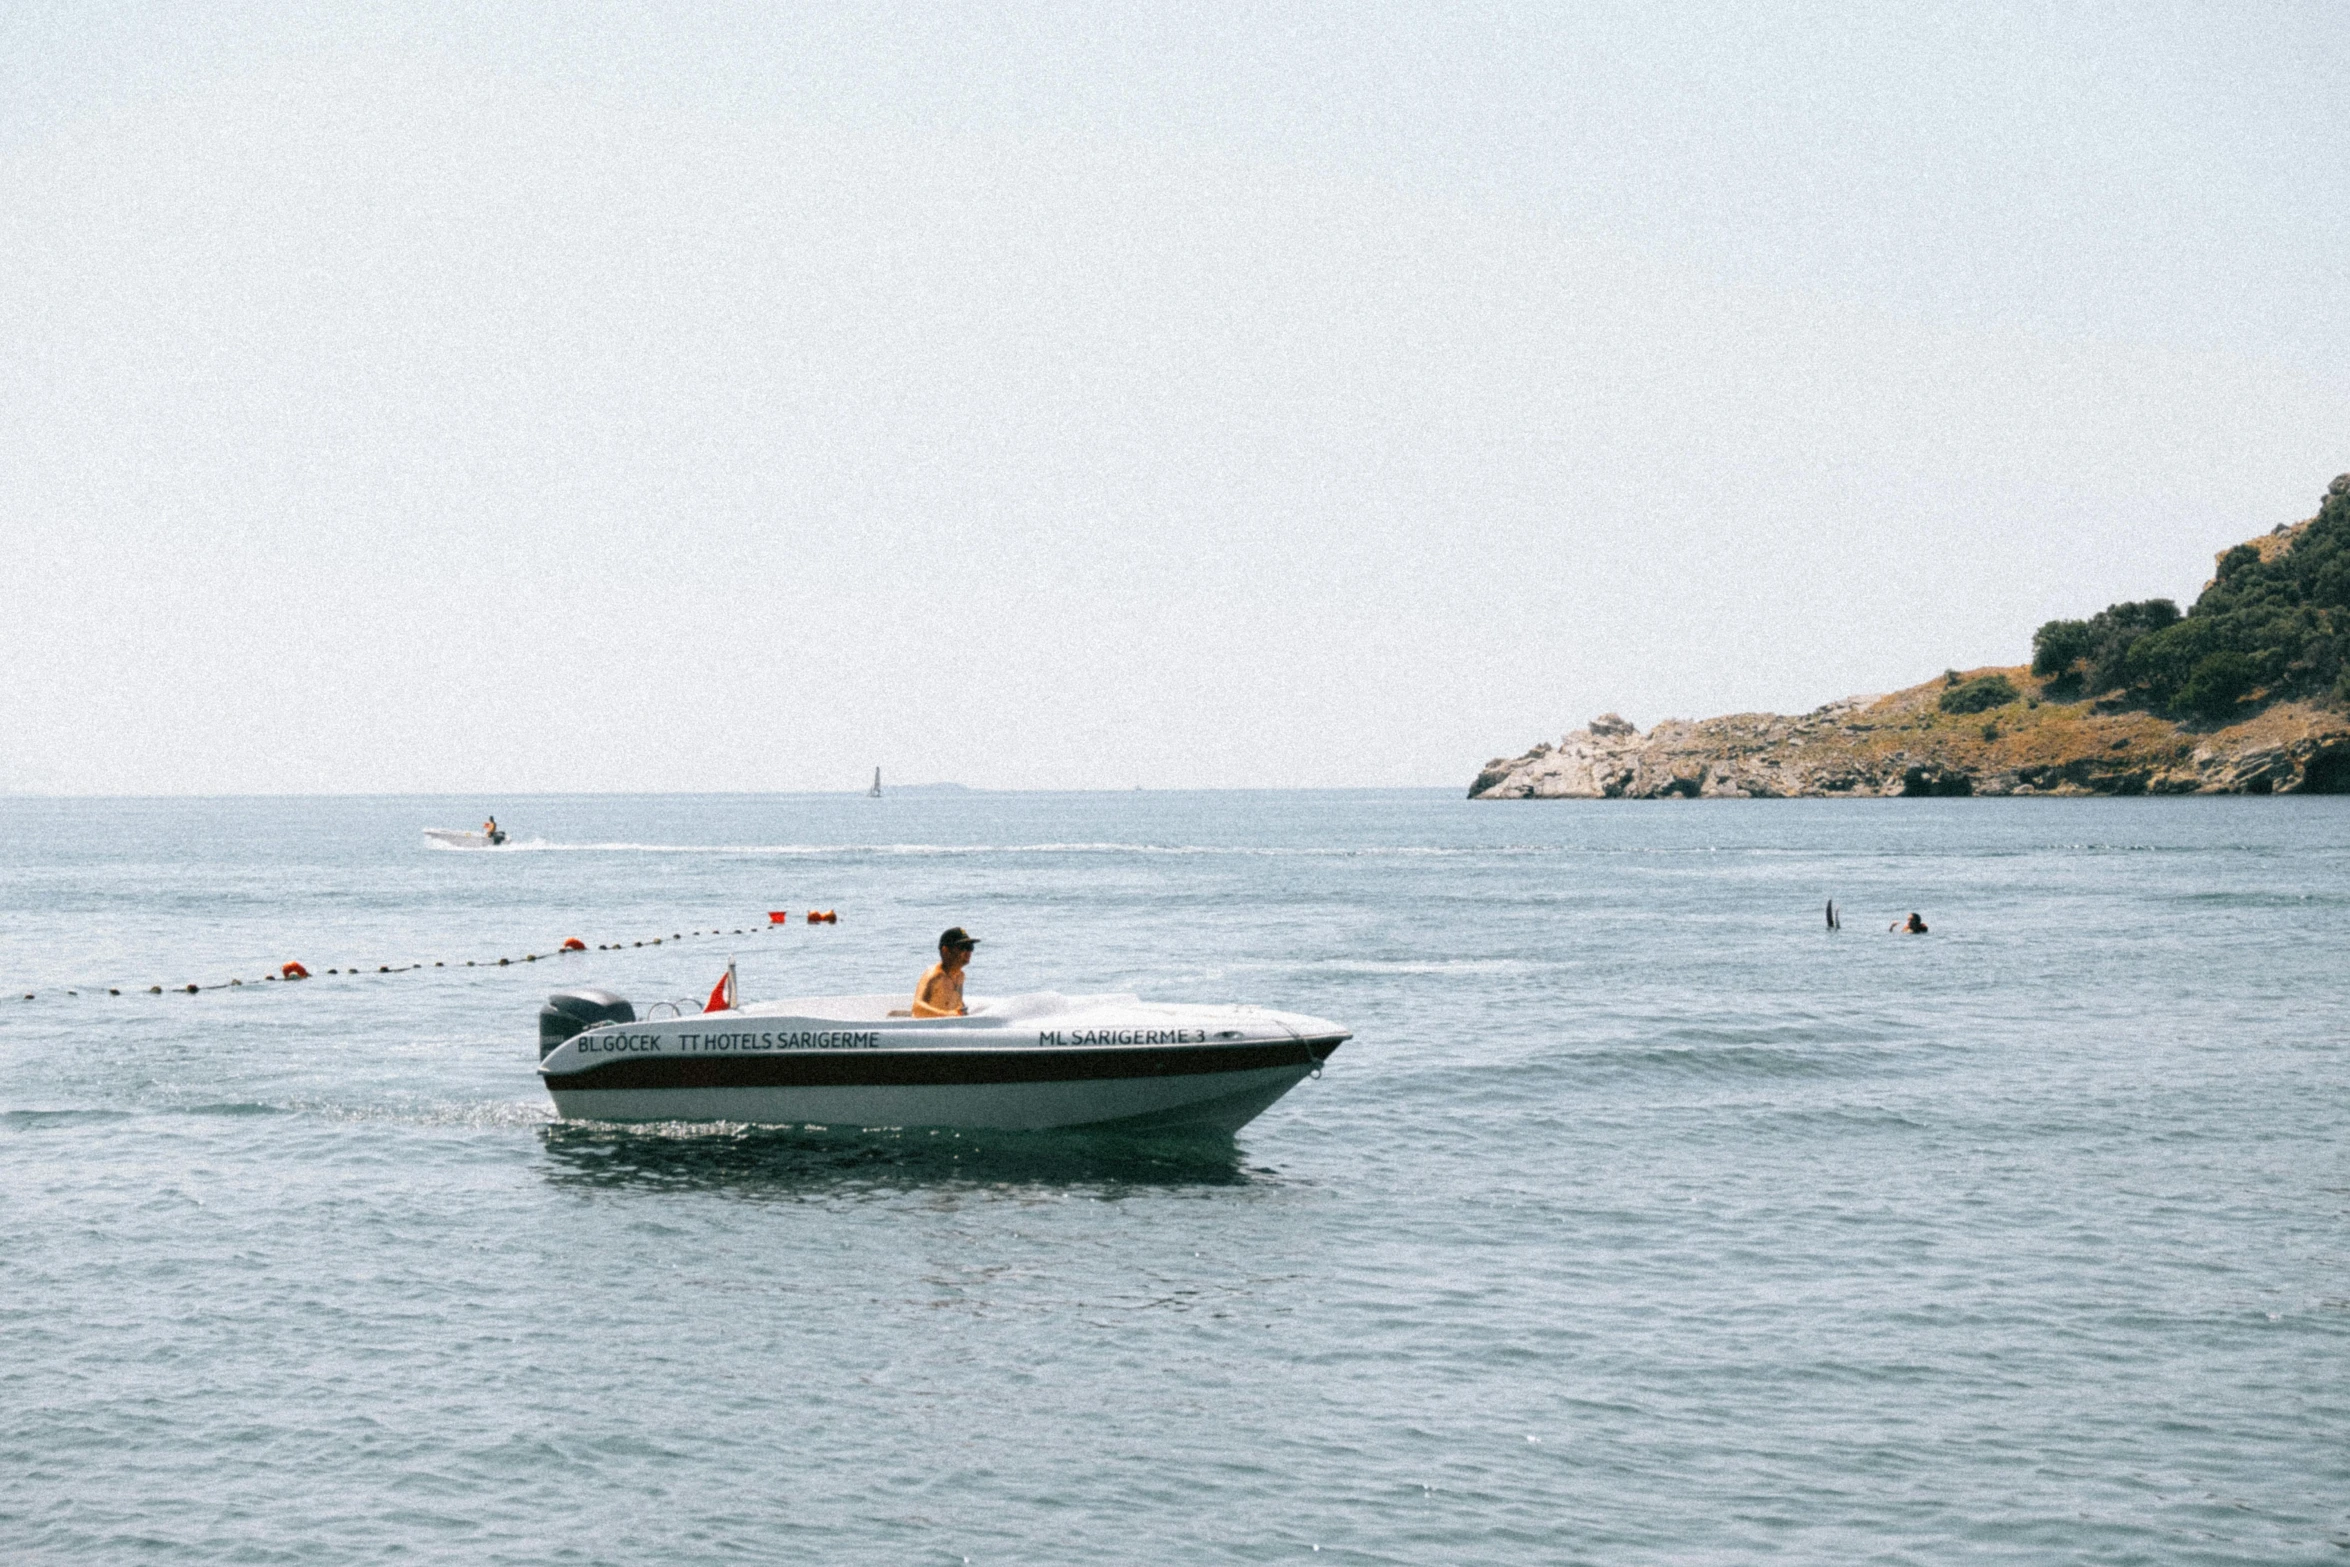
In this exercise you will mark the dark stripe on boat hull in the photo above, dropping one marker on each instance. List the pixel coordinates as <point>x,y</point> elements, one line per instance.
<point>925,1068</point>
<point>1211,1102</point>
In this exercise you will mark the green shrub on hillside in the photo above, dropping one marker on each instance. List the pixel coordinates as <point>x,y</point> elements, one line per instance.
<point>2059,646</point>
<point>2097,649</point>
<point>2278,626</point>
<point>1979,695</point>
<point>2217,683</point>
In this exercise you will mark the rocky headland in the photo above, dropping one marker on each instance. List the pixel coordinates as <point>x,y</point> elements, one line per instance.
<point>1904,744</point>
<point>2088,716</point>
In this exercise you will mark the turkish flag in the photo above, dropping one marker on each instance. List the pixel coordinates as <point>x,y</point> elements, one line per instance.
<point>722,997</point>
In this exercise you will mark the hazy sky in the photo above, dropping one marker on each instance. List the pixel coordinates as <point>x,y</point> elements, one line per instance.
<point>738,397</point>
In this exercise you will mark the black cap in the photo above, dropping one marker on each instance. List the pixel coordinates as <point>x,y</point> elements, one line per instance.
<point>957,936</point>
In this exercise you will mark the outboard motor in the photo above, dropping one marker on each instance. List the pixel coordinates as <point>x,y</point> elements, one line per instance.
<point>568,1012</point>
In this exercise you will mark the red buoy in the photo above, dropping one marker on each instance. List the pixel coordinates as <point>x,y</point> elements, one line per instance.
<point>295,971</point>
<point>778,917</point>
<point>574,944</point>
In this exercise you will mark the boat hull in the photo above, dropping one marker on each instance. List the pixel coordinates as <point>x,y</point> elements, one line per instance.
<point>1218,1102</point>
<point>1175,1078</point>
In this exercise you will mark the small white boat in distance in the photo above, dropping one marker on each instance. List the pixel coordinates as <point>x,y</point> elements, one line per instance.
<point>458,838</point>
<point>1025,1063</point>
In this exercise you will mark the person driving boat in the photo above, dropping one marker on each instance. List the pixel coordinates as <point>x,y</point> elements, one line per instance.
<point>940,993</point>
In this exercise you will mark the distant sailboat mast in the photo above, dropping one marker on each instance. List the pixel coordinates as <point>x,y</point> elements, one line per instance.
<point>875,791</point>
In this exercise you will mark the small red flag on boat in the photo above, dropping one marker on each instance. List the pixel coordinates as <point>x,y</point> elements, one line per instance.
<point>722,996</point>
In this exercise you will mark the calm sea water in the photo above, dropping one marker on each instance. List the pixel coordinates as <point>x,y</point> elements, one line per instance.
<point>1644,1220</point>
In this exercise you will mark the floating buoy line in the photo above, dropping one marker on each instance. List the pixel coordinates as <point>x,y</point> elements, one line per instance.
<point>295,971</point>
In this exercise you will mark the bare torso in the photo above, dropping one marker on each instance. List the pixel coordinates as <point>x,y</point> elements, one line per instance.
<point>941,992</point>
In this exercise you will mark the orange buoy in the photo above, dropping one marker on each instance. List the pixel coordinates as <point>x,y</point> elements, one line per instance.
<point>778,917</point>
<point>295,971</point>
<point>823,917</point>
<point>574,944</point>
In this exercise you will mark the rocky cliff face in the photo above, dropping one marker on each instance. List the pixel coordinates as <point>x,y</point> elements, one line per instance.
<point>1905,744</point>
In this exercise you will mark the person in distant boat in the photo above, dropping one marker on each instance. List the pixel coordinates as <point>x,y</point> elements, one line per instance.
<point>941,992</point>
<point>1911,926</point>
<point>489,830</point>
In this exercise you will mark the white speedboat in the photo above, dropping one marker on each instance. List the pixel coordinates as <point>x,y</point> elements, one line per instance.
<point>458,838</point>
<point>1026,1063</point>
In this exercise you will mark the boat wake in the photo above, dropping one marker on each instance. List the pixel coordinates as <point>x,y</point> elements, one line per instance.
<point>797,1163</point>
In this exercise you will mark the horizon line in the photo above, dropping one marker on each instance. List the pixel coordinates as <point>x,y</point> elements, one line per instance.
<point>747,794</point>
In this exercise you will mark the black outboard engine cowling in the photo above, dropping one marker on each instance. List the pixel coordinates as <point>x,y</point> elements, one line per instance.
<point>568,1012</point>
